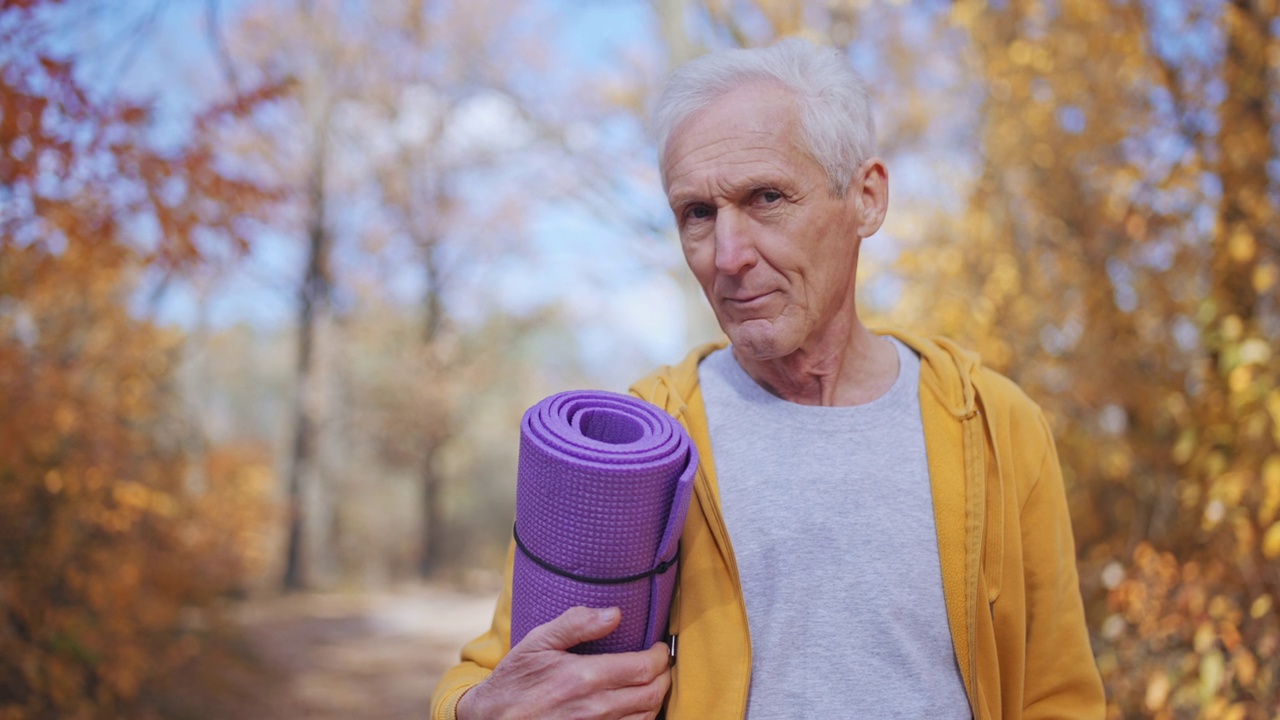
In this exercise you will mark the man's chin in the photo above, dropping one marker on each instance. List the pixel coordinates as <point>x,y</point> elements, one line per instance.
<point>757,340</point>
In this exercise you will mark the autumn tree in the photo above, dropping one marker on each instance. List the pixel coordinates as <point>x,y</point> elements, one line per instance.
<point>99,532</point>
<point>422,152</point>
<point>1106,263</point>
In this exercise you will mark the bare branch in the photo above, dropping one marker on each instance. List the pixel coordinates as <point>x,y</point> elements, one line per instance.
<point>212,27</point>
<point>134,38</point>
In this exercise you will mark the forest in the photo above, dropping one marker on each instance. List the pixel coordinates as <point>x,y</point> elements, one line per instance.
<point>278,279</point>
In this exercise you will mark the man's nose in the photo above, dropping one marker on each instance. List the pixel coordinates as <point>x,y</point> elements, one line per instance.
<point>735,248</point>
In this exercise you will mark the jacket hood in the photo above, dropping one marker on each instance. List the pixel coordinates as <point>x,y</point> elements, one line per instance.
<point>948,370</point>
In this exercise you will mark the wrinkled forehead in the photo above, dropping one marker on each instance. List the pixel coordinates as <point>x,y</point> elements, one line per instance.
<point>764,112</point>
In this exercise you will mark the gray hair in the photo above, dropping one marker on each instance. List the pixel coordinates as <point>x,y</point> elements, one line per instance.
<point>835,112</point>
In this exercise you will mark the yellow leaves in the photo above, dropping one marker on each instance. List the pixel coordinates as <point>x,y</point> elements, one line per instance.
<point>1246,536</point>
<point>1219,607</point>
<point>1075,46</point>
<point>1273,409</point>
<point>1184,446</point>
<point>1087,11</point>
<point>1239,378</point>
<point>1002,282</point>
<point>1212,671</point>
<point>965,12</point>
<point>131,494</point>
<point>1025,54</point>
<point>1271,542</point>
<point>1270,490</point>
<point>1117,462</point>
<point>1012,132</point>
<point>1260,607</point>
<point>1158,688</point>
<point>1220,709</point>
<point>1244,666</point>
<point>1242,247</point>
<point>1231,328</point>
<point>1188,493</point>
<point>1229,487</point>
<point>1193,631</point>
<point>1205,638</point>
<point>950,260</point>
<point>135,394</point>
<point>1216,462</point>
<point>1020,52</point>
<point>1265,277</point>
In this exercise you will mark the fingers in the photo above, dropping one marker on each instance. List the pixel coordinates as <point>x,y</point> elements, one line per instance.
<point>538,678</point>
<point>660,656</point>
<point>641,701</point>
<point>634,668</point>
<point>574,626</point>
<point>657,660</point>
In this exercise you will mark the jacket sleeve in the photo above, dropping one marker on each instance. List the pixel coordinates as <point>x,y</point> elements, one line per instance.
<point>1062,679</point>
<point>480,656</point>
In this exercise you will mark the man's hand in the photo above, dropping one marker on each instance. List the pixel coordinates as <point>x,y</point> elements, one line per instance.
<point>539,678</point>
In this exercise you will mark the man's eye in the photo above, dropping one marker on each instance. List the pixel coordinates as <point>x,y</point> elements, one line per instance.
<point>770,196</point>
<point>699,212</point>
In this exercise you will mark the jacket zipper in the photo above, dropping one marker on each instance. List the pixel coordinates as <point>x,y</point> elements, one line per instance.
<point>719,531</point>
<point>732,561</point>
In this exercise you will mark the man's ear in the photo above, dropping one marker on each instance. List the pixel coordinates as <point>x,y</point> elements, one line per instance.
<point>870,186</point>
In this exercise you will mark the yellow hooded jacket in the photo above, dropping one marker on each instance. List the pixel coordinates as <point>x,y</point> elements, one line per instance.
<point>1004,541</point>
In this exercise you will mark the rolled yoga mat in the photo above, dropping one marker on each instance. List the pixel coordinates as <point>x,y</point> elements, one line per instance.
<point>602,491</point>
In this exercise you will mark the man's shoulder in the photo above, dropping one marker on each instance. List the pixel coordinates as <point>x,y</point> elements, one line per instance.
<point>1002,396</point>
<point>676,382</point>
<point>951,367</point>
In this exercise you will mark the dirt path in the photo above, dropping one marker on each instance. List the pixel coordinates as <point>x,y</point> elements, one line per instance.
<point>349,657</point>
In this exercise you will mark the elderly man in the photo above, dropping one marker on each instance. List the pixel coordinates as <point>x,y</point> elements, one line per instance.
<point>879,528</point>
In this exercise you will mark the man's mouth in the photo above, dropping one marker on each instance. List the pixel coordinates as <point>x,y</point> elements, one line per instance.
<point>746,299</point>
<point>748,302</point>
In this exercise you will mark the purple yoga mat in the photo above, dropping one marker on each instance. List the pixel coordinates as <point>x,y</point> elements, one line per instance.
<point>602,492</point>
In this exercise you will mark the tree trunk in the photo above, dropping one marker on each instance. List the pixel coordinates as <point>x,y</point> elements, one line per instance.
<point>313,301</point>
<point>435,427</point>
<point>433,534</point>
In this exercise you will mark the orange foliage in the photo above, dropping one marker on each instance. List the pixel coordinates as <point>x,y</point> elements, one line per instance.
<point>1179,637</point>
<point>106,549</point>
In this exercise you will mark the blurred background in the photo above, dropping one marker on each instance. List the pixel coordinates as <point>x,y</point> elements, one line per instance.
<point>278,278</point>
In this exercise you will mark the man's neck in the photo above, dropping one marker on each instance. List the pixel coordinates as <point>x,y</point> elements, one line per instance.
<point>850,370</point>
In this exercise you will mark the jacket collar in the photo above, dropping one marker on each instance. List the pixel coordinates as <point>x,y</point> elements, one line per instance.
<point>947,370</point>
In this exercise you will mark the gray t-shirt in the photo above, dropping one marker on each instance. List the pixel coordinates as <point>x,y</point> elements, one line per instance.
<point>830,514</point>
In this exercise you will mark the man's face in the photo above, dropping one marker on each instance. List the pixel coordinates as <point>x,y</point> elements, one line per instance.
<point>774,252</point>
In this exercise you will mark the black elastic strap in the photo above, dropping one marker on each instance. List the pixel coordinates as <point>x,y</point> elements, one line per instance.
<point>661,567</point>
